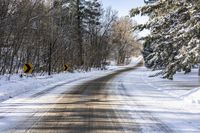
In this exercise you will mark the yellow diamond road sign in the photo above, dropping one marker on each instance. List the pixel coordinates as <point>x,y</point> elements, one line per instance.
<point>28,68</point>
<point>66,67</point>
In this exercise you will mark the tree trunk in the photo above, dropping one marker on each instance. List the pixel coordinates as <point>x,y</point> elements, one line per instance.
<point>199,70</point>
<point>80,47</point>
<point>50,53</point>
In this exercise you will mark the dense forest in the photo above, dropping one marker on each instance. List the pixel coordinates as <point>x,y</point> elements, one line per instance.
<point>51,33</point>
<point>174,42</point>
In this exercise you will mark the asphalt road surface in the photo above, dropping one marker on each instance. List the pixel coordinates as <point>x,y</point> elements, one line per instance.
<point>103,105</point>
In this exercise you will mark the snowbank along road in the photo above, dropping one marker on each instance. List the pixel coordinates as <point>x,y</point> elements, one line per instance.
<point>118,102</point>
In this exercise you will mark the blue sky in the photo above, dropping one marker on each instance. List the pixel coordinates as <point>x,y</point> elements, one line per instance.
<point>124,6</point>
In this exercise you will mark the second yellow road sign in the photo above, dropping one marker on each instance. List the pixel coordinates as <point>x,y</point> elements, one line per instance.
<point>28,68</point>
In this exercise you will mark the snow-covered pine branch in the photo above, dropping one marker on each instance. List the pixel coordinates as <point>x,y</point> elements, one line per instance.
<point>173,44</point>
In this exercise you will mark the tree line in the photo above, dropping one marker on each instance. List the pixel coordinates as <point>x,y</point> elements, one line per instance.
<point>49,34</point>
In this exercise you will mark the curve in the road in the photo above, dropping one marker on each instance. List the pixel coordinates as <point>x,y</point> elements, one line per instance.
<point>87,108</point>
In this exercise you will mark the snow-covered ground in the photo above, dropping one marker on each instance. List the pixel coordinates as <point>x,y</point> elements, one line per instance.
<point>184,87</point>
<point>16,86</point>
<point>158,105</point>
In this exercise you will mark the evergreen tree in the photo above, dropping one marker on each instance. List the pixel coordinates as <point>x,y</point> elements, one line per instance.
<point>174,42</point>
